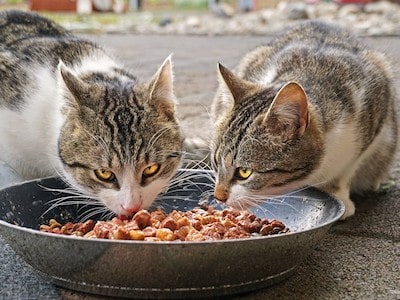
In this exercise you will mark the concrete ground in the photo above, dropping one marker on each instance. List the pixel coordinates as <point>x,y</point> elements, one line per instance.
<point>358,259</point>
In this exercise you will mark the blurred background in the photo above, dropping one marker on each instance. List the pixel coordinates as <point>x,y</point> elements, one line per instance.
<point>213,17</point>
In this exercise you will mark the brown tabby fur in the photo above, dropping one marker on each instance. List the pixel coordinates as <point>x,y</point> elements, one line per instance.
<point>315,107</point>
<point>67,108</point>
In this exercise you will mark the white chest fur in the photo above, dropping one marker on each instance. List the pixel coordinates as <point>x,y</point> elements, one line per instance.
<point>29,136</point>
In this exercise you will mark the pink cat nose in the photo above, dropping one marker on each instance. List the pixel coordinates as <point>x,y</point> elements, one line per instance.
<point>132,209</point>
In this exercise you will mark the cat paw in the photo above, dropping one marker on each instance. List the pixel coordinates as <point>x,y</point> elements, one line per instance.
<point>350,209</point>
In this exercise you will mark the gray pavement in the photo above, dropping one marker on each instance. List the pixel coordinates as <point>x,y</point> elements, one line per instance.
<point>358,259</point>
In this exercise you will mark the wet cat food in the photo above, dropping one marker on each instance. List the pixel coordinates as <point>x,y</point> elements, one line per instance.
<point>198,224</point>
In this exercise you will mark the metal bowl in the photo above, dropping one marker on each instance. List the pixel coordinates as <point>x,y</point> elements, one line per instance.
<point>163,269</point>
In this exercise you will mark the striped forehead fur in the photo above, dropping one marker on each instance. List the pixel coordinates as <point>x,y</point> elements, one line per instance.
<point>243,116</point>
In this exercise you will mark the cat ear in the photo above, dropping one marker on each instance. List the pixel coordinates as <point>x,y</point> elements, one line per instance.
<point>161,88</point>
<point>79,89</point>
<point>288,114</point>
<point>237,87</point>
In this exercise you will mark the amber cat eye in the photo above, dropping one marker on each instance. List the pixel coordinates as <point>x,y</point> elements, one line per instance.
<point>151,170</point>
<point>243,173</point>
<point>104,175</point>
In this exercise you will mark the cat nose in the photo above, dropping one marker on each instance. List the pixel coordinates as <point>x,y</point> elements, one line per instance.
<point>133,209</point>
<point>221,193</point>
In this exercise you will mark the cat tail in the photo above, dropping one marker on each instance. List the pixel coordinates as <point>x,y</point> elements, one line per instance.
<point>197,154</point>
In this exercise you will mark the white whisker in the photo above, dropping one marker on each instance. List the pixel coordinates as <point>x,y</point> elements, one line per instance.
<point>87,205</point>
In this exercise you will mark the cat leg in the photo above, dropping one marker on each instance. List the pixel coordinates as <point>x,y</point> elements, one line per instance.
<point>374,164</point>
<point>365,174</point>
<point>361,174</point>
<point>341,191</point>
<point>344,196</point>
<point>369,176</point>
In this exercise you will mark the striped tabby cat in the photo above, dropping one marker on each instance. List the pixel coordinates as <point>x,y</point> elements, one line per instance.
<point>315,107</point>
<point>67,107</point>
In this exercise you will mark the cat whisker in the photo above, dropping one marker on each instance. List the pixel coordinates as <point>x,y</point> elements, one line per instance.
<point>181,176</point>
<point>63,201</point>
<point>257,201</point>
<point>72,200</point>
<point>187,176</point>
<point>67,190</point>
<point>213,165</point>
<point>72,196</point>
<point>88,214</point>
<point>197,164</point>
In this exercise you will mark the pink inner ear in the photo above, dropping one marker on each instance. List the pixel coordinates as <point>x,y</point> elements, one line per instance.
<point>290,106</point>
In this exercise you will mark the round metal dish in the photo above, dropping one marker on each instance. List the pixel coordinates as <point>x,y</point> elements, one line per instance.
<point>163,269</point>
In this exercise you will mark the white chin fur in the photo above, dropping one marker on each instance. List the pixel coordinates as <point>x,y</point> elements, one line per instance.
<point>133,197</point>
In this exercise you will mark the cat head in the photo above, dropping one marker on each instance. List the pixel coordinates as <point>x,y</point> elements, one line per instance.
<point>120,142</point>
<point>266,141</point>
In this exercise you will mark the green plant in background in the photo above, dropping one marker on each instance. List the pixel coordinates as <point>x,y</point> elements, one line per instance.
<point>191,4</point>
<point>12,1</point>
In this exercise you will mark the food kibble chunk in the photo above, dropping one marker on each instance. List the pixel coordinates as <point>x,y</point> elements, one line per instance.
<point>165,234</point>
<point>142,218</point>
<point>137,235</point>
<point>198,224</point>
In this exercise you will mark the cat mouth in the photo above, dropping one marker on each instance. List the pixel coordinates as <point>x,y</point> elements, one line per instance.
<point>129,212</point>
<point>123,217</point>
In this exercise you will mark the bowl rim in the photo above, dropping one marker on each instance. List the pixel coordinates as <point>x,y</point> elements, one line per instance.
<point>329,222</point>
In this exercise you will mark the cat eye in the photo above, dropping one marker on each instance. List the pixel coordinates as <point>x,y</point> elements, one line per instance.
<point>104,175</point>
<point>243,173</point>
<point>151,170</point>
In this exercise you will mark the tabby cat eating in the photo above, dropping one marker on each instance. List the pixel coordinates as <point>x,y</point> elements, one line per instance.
<point>68,108</point>
<point>314,107</point>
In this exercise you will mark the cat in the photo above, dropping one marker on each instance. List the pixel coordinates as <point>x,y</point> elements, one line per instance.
<point>69,109</point>
<point>314,107</point>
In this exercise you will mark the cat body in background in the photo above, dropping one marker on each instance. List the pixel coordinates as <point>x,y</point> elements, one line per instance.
<point>68,108</point>
<point>314,107</point>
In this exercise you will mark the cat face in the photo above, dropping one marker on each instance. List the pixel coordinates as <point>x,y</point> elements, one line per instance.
<point>265,142</point>
<point>120,142</point>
